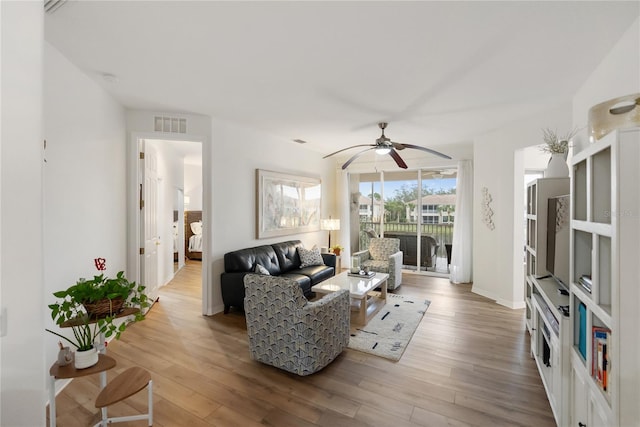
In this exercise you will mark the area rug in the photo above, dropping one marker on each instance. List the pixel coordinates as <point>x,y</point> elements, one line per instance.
<point>389,332</point>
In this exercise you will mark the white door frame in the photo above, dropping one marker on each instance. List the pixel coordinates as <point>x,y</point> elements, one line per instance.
<point>134,269</point>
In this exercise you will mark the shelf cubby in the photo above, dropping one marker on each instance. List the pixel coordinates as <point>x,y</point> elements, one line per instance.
<point>582,249</point>
<point>579,189</point>
<point>601,186</point>
<point>603,282</point>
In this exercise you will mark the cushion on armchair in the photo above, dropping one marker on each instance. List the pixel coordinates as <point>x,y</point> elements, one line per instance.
<point>382,248</point>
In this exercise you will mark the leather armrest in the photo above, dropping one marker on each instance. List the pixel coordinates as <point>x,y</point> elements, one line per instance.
<point>329,260</point>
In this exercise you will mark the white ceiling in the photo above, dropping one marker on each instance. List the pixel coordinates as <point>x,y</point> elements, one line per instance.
<point>327,72</point>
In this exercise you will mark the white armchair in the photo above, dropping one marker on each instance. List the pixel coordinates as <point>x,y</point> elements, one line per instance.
<point>384,256</point>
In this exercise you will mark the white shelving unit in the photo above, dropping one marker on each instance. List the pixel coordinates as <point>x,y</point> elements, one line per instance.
<point>605,245</point>
<point>538,192</point>
<point>548,327</point>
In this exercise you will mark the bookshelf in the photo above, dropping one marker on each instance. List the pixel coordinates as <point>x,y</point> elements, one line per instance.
<point>604,272</point>
<point>548,327</point>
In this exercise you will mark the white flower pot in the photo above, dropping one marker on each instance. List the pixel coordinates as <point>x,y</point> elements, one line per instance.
<point>557,167</point>
<point>86,358</point>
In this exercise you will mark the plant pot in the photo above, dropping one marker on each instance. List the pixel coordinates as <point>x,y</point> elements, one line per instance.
<point>337,252</point>
<point>104,307</point>
<point>85,358</point>
<point>557,167</point>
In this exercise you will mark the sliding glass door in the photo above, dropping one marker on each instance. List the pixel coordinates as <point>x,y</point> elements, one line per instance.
<point>417,207</point>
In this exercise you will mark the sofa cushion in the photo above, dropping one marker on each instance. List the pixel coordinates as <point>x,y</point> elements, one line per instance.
<point>244,260</point>
<point>261,270</point>
<point>287,253</point>
<point>309,257</point>
<point>301,279</point>
<point>317,273</point>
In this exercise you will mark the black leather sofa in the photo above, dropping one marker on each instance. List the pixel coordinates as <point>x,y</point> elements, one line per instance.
<point>280,259</point>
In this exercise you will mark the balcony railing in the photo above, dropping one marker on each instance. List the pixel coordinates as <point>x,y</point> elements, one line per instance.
<point>442,233</point>
<point>435,242</point>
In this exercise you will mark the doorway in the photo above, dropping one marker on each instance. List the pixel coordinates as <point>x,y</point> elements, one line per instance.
<point>171,188</point>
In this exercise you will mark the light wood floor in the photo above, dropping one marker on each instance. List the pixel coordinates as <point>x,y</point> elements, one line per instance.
<point>468,364</point>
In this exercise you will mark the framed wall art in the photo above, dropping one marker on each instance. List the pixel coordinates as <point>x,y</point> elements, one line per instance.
<point>287,204</point>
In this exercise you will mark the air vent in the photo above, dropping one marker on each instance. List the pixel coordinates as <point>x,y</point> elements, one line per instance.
<point>170,124</point>
<point>51,6</point>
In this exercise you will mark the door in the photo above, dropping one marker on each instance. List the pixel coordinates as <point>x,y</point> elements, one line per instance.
<point>149,218</point>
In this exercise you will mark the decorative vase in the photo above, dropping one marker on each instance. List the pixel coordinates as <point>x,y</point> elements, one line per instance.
<point>85,358</point>
<point>557,167</point>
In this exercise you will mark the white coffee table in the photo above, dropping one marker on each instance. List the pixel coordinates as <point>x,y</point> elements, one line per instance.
<point>366,306</point>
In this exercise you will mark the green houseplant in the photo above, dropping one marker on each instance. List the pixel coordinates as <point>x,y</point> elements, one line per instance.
<point>90,307</point>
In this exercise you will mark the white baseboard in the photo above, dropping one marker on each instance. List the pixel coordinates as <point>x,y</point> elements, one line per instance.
<point>507,303</point>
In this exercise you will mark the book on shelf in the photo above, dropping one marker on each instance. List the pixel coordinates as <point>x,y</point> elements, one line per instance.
<point>600,366</point>
<point>585,282</point>
<point>582,332</point>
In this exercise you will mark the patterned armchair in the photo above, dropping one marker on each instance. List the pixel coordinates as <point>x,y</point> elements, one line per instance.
<point>384,255</point>
<point>289,332</point>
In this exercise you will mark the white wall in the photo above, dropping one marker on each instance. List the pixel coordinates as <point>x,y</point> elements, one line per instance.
<point>497,258</point>
<point>237,153</point>
<point>193,186</point>
<point>23,367</point>
<point>84,189</point>
<point>617,75</point>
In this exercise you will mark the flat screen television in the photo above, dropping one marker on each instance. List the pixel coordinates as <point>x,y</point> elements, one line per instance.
<point>558,239</point>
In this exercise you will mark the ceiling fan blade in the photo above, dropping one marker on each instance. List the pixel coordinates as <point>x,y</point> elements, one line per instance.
<point>349,148</point>
<point>398,146</point>
<point>428,150</point>
<point>398,159</point>
<point>348,162</point>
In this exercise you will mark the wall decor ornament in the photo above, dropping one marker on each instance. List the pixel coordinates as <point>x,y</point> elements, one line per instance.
<point>617,113</point>
<point>487,212</point>
<point>286,204</point>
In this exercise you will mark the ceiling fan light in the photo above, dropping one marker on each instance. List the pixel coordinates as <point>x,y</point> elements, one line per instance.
<point>383,150</point>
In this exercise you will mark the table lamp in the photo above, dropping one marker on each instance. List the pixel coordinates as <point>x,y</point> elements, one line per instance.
<point>330,225</point>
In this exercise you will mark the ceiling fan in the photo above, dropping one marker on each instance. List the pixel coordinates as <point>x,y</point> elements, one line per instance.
<point>385,145</point>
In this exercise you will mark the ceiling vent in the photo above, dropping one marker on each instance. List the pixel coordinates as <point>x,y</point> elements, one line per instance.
<point>50,6</point>
<point>169,124</point>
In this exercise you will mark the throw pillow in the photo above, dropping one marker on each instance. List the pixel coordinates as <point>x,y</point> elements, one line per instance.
<point>261,270</point>
<point>309,257</point>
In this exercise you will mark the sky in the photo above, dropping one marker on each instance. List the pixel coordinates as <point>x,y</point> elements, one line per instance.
<point>391,186</point>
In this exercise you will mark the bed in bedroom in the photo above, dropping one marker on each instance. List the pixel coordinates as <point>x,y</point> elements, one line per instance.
<point>193,234</point>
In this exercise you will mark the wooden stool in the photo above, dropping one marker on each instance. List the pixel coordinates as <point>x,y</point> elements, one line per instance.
<point>124,385</point>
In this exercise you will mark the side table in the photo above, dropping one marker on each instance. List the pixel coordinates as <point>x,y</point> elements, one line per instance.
<point>58,372</point>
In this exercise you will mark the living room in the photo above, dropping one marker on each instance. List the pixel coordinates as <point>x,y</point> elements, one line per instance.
<point>68,108</point>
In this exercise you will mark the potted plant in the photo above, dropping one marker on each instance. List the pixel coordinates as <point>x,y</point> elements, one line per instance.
<point>556,144</point>
<point>558,147</point>
<point>336,249</point>
<point>90,307</point>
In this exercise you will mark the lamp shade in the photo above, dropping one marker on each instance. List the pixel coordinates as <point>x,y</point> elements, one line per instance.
<point>330,224</point>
